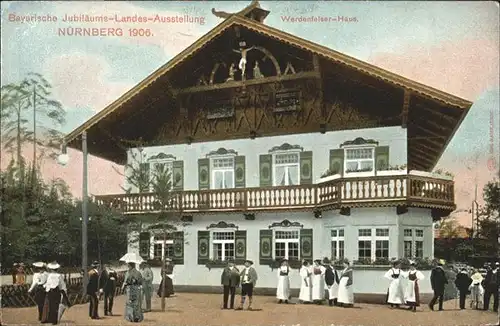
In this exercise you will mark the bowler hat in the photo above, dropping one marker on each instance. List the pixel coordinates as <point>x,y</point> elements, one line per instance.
<point>249,261</point>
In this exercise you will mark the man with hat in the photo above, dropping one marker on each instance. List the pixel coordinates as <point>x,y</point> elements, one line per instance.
<point>147,284</point>
<point>438,283</point>
<point>331,281</point>
<point>462,283</point>
<point>39,280</point>
<point>93,290</point>
<point>283,288</point>
<point>55,288</point>
<point>248,278</point>
<point>492,283</point>
<point>107,282</point>
<point>230,280</point>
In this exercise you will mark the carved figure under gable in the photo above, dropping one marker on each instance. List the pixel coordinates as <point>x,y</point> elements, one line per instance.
<point>286,147</point>
<point>222,151</point>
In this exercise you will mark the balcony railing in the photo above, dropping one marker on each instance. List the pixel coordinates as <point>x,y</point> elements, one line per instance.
<point>371,191</point>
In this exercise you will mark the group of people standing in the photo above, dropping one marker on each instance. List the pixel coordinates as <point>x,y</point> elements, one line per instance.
<point>49,291</point>
<point>321,275</point>
<point>480,288</point>
<point>397,293</point>
<point>231,278</point>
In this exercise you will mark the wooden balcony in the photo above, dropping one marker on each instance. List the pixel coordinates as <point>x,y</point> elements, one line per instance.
<point>375,191</point>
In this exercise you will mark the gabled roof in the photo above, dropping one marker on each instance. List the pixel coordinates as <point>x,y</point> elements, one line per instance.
<point>240,20</point>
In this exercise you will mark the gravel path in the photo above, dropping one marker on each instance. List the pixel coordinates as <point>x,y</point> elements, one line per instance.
<point>204,309</point>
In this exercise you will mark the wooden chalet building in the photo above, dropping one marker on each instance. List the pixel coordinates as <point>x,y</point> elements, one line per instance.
<point>310,154</point>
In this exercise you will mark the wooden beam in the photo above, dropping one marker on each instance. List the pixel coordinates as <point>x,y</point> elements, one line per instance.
<point>421,152</point>
<point>430,132</point>
<point>432,149</point>
<point>431,141</point>
<point>406,108</point>
<point>439,114</point>
<point>235,84</point>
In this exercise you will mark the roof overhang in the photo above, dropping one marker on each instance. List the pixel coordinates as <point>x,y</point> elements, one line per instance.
<point>427,136</point>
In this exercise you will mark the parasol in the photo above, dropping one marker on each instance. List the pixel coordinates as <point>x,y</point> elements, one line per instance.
<point>132,257</point>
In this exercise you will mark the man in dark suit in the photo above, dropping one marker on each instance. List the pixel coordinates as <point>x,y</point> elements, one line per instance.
<point>107,283</point>
<point>438,283</point>
<point>491,285</point>
<point>230,279</point>
<point>331,278</point>
<point>93,290</point>
<point>462,282</point>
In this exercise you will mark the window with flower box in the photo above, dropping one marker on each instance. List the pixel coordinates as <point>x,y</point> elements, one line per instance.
<point>359,159</point>
<point>221,242</point>
<point>286,244</point>
<point>156,246</point>
<point>413,243</point>
<point>373,244</point>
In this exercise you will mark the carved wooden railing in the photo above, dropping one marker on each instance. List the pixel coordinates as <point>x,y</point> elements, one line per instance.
<point>363,191</point>
<point>18,296</point>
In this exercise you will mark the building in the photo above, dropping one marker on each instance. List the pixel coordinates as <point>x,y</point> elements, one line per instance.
<point>308,154</point>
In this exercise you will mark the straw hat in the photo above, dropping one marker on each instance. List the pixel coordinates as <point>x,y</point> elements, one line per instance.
<point>39,264</point>
<point>53,265</point>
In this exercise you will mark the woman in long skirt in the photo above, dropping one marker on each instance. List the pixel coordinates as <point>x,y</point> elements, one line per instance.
<point>346,293</point>
<point>395,293</point>
<point>305,295</point>
<point>54,287</point>
<point>412,293</point>
<point>318,282</point>
<point>132,284</point>
<point>283,288</point>
<point>476,290</point>
<point>37,286</point>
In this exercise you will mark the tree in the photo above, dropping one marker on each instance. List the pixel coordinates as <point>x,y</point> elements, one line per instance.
<point>449,228</point>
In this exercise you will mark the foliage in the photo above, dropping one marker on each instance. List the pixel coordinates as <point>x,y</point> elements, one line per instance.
<point>450,228</point>
<point>330,172</point>
<point>442,172</point>
<point>24,106</point>
<point>50,228</point>
<point>137,173</point>
<point>491,195</point>
<point>396,167</point>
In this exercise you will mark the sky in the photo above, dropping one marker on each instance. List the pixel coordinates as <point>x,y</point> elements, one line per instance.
<point>452,46</point>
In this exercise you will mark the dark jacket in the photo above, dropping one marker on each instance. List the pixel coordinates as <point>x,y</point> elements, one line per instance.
<point>169,269</point>
<point>491,281</point>
<point>438,279</point>
<point>93,285</point>
<point>331,276</point>
<point>230,277</point>
<point>462,282</point>
<point>107,281</point>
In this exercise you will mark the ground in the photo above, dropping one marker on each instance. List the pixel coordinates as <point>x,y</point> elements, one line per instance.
<point>204,309</point>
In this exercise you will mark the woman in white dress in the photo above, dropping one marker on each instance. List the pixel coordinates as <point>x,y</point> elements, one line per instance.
<point>283,288</point>
<point>305,295</point>
<point>476,290</point>
<point>412,291</point>
<point>346,294</point>
<point>318,282</point>
<point>395,293</point>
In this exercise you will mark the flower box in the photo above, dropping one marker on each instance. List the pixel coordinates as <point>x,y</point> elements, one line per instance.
<point>359,174</point>
<point>392,172</point>
<point>431,175</point>
<point>329,178</point>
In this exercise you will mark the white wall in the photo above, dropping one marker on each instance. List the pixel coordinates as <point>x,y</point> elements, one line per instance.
<point>193,274</point>
<point>320,144</point>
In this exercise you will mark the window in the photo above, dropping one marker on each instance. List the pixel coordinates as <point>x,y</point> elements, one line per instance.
<point>373,245</point>
<point>161,174</point>
<point>286,244</point>
<point>337,236</point>
<point>413,243</point>
<point>162,248</point>
<point>223,245</point>
<point>359,159</point>
<point>222,173</point>
<point>286,169</point>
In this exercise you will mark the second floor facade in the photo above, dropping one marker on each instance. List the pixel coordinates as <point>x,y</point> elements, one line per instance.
<point>276,161</point>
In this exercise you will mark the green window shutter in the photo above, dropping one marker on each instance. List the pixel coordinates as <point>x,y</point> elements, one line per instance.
<point>266,170</point>
<point>381,158</point>
<point>143,180</point>
<point>178,258</point>
<point>266,247</point>
<point>145,245</point>
<point>203,247</point>
<point>306,164</point>
<point>239,172</point>
<point>240,242</point>
<point>306,244</point>
<point>178,175</point>
<point>203,174</point>
<point>337,161</point>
